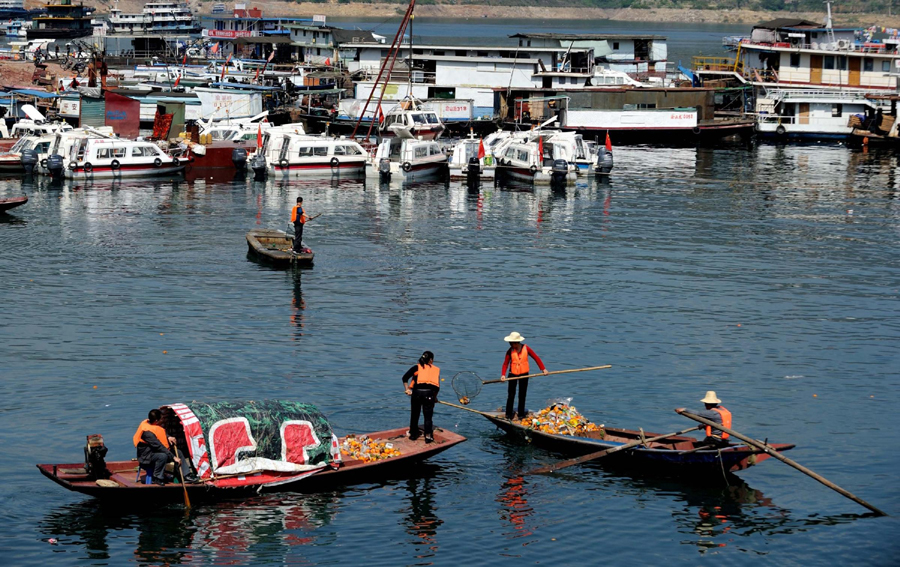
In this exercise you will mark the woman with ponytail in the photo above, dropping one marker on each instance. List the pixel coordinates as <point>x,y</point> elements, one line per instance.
<point>422,383</point>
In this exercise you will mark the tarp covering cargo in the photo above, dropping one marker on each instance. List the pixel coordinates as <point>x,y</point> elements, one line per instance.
<point>123,114</point>
<point>241,437</point>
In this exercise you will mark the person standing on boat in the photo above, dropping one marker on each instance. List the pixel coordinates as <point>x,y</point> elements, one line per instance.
<point>716,413</point>
<point>422,383</point>
<point>517,361</point>
<point>299,218</point>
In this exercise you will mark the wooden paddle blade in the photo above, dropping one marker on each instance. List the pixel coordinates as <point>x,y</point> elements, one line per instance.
<point>600,454</point>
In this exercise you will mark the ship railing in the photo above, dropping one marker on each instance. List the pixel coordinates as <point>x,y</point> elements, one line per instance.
<point>840,46</point>
<point>723,64</point>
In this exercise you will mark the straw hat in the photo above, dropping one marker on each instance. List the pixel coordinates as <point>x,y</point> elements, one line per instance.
<point>514,337</point>
<point>711,398</point>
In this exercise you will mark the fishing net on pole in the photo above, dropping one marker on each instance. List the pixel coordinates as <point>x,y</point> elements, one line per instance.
<point>467,385</point>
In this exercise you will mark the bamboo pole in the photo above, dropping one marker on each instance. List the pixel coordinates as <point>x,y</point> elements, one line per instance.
<point>548,374</point>
<point>775,454</point>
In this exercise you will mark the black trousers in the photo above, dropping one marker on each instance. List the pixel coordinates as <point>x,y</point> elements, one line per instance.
<point>421,400</point>
<point>298,236</point>
<point>511,395</point>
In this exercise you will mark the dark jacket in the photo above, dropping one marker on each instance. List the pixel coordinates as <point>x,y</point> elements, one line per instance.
<point>150,444</point>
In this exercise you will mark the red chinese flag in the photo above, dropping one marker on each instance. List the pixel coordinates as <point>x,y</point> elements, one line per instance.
<point>327,61</point>
<point>259,137</point>
<point>177,80</point>
<point>184,61</point>
<point>481,149</point>
<point>608,142</point>
<point>541,149</point>
<point>380,115</point>
<point>225,68</point>
<point>214,49</point>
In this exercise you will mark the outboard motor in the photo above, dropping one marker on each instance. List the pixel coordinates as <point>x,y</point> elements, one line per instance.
<point>95,457</point>
<point>258,165</point>
<point>473,172</point>
<point>56,166</point>
<point>29,161</point>
<point>384,169</point>
<point>239,158</point>
<point>560,170</point>
<point>604,162</point>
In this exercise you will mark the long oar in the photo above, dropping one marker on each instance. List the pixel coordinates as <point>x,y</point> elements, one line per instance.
<point>187,501</point>
<point>600,454</point>
<point>461,407</point>
<point>549,373</point>
<point>773,453</point>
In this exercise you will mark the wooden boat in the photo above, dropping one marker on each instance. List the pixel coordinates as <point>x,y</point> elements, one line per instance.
<point>275,247</point>
<point>7,204</point>
<point>129,487</point>
<point>679,455</point>
<point>242,449</point>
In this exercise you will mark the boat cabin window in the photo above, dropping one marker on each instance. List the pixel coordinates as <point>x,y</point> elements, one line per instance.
<point>222,134</point>
<point>322,151</point>
<point>20,145</point>
<point>305,151</point>
<point>795,59</point>
<point>511,153</point>
<point>432,118</point>
<point>868,64</point>
<point>434,150</point>
<point>837,110</point>
<point>103,153</point>
<point>418,119</point>
<point>340,150</point>
<point>522,155</point>
<point>353,150</point>
<point>421,151</point>
<point>249,136</point>
<point>42,147</point>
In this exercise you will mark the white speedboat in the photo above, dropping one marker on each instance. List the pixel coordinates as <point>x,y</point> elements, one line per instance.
<point>410,120</point>
<point>114,158</point>
<point>289,152</point>
<point>408,160</point>
<point>536,158</point>
<point>467,149</point>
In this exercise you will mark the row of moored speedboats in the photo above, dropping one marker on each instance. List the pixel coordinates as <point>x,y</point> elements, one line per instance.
<point>539,156</point>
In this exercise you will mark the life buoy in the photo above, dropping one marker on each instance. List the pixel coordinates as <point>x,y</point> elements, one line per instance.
<point>88,167</point>
<point>44,163</point>
<point>335,162</point>
<point>533,169</point>
<point>175,162</point>
<point>157,162</point>
<point>780,130</point>
<point>284,163</point>
<point>115,164</point>
<point>696,130</point>
<point>406,166</point>
<point>72,165</point>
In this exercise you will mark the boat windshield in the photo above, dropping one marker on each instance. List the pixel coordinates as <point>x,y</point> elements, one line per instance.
<point>222,134</point>
<point>432,118</point>
<point>418,119</point>
<point>21,145</point>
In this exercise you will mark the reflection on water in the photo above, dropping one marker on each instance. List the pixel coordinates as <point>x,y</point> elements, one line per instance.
<point>420,518</point>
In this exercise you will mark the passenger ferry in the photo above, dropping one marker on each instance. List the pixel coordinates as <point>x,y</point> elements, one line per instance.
<point>113,158</point>
<point>407,159</point>
<point>157,18</point>
<point>289,152</point>
<point>812,114</point>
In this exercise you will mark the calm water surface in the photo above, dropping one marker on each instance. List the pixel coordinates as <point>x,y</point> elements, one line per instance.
<point>769,274</point>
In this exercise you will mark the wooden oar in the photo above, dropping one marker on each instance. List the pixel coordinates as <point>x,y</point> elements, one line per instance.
<point>765,447</point>
<point>548,374</point>
<point>600,454</point>
<point>187,501</point>
<point>462,407</point>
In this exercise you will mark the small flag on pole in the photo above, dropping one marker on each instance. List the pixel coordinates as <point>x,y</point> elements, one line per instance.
<point>541,149</point>
<point>225,68</point>
<point>608,142</point>
<point>259,137</point>
<point>380,115</point>
<point>481,152</point>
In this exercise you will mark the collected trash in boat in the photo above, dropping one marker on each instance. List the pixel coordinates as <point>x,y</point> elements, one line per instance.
<point>365,449</point>
<point>560,418</point>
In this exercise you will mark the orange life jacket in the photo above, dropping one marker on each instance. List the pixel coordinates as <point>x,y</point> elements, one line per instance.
<point>519,361</point>
<point>726,421</point>
<point>303,217</point>
<point>155,429</point>
<point>429,374</point>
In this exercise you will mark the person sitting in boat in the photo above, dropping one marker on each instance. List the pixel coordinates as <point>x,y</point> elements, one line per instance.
<point>517,361</point>
<point>422,383</point>
<point>718,414</point>
<point>299,218</point>
<point>153,449</point>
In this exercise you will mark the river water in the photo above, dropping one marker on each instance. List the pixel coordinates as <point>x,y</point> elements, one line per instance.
<point>767,273</point>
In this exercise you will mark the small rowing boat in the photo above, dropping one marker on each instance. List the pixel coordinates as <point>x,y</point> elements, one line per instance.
<point>276,247</point>
<point>677,454</point>
<point>7,204</point>
<point>244,448</point>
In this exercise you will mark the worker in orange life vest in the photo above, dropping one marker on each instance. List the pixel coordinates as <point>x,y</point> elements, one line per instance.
<point>152,444</point>
<point>716,413</point>
<point>422,383</point>
<point>517,361</point>
<point>299,218</point>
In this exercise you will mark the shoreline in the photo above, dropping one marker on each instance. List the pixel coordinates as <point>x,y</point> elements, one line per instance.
<point>332,9</point>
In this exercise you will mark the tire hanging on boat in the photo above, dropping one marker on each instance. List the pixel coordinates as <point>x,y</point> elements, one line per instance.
<point>335,162</point>
<point>88,167</point>
<point>115,164</point>
<point>157,162</point>
<point>406,166</point>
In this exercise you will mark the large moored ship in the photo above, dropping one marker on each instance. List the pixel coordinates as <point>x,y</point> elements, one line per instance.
<point>12,9</point>
<point>157,18</point>
<point>64,20</point>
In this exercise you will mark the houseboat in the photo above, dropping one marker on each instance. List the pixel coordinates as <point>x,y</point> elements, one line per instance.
<point>63,20</point>
<point>407,159</point>
<point>112,158</point>
<point>291,153</point>
<point>157,18</point>
<point>812,114</point>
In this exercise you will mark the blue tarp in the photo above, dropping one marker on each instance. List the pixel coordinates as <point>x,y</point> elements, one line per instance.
<point>37,94</point>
